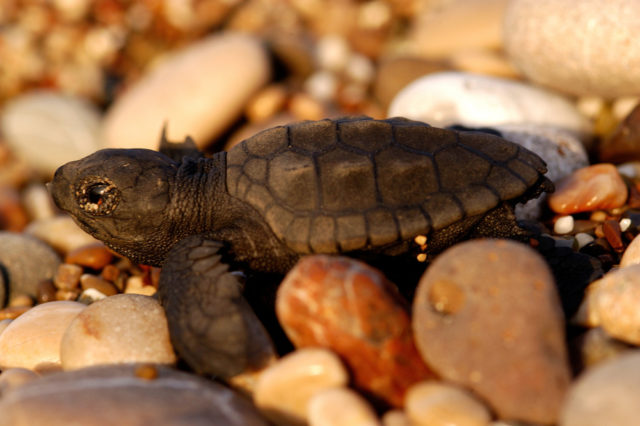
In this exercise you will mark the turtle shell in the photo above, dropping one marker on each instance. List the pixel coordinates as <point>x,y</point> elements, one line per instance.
<point>334,186</point>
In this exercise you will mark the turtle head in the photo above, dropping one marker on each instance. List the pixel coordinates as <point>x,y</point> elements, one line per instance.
<point>121,197</point>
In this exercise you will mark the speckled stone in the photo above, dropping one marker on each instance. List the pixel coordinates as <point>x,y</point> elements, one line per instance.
<point>33,339</point>
<point>48,128</point>
<point>607,394</point>
<point>125,395</point>
<point>218,75</point>
<point>283,390</point>
<point>596,187</point>
<point>341,407</point>
<point>125,328</point>
<point>487,317</point>
<point>447,98</point>
<point>350,308</point>
<point>26,261</point>
<point>440,404</point>
<point>588,47</point>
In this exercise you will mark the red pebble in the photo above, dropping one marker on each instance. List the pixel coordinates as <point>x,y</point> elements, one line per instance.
<point>349,307</point>
<point>597,187</point>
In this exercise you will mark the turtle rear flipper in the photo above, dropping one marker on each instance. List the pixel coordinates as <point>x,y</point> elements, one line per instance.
<point>212,326</point>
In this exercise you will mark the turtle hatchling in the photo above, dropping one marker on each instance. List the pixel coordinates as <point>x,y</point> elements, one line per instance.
<point>372,189</point>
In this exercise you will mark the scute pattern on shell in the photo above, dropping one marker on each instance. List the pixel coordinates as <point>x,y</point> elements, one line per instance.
<point>347,184</point>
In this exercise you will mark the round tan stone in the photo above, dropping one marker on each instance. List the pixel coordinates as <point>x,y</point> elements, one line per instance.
<point>487,316</point>
<point>439,404</point>
<point>613,303</point>
<point>33,339</point>
<point>198,91</point>
<point>341,407</point>
<point>283,390</point>
<point>124,328</point>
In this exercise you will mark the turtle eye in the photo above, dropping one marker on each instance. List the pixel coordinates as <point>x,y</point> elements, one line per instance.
<point>98,196</point>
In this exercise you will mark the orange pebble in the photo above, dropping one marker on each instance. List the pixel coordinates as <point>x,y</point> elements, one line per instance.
<point>590,188</point>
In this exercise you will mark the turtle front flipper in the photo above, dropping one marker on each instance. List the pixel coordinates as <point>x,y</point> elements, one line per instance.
<point>178,150</point>
<point>212,326</point>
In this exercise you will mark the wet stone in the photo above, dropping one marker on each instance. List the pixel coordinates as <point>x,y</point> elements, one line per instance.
<point>347,306</point>
<point>591,188</point>
<point>440,404</point>
<point>283,390</point>
<point>33,340</point>
<point>117,330</point>
<point>95,256</point>
<point>487,317</point>
<point>121,396</point>
<point>607,394</point>
<point>26,261</point>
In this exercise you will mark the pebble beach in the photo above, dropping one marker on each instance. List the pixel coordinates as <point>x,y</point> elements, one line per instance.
<point>494,333</point>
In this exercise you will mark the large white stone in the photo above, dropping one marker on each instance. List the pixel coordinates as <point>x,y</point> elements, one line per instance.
<point>198,91</point>
<point>586,47</point>
<point>447,98</point>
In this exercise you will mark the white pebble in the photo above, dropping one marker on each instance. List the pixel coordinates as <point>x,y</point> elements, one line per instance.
<point>583,239</point>
<point>625,223</point>
<point>563,225</point>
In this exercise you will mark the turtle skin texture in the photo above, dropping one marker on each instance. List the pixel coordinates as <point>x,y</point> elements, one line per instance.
<point>373,189</point>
